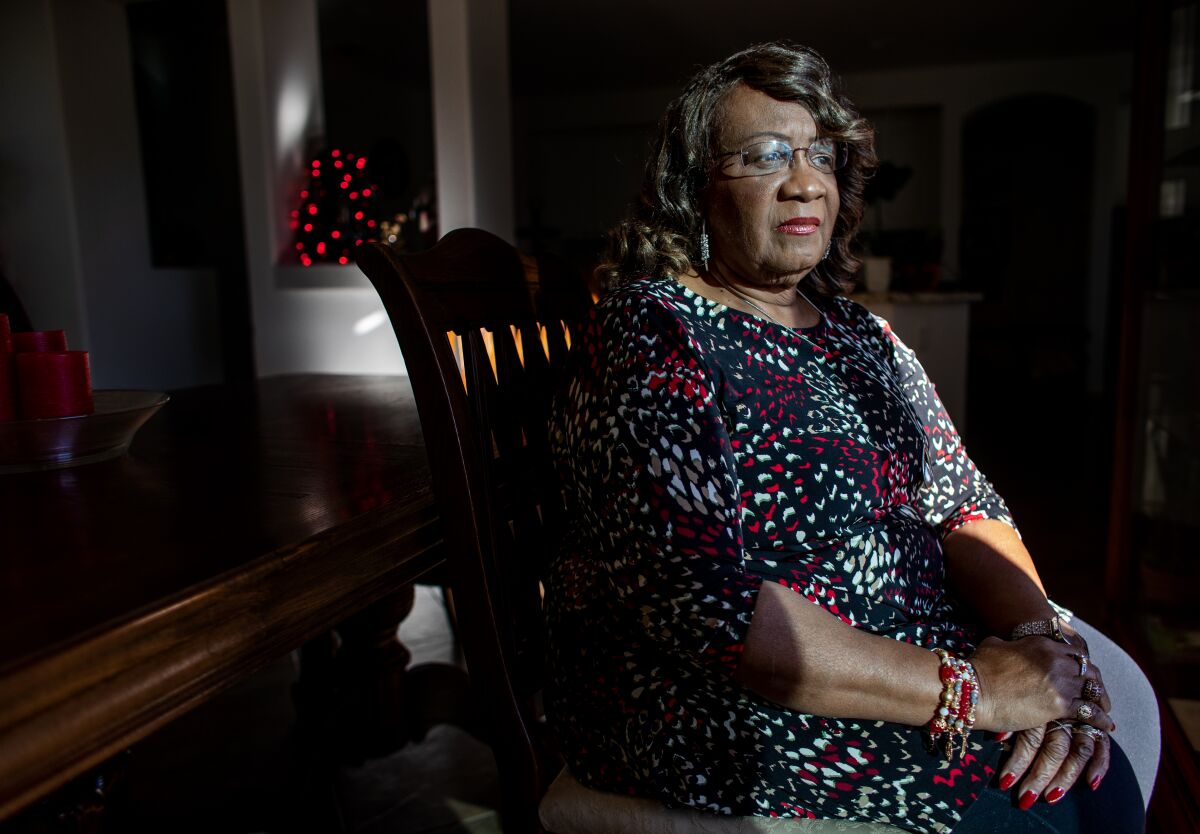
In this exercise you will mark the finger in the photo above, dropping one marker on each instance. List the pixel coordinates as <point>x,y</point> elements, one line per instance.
<point>1105,702</point>
<point>1053,753</point>
<point>1098,766</point>
<point>1085,712</point>
<point>1025,746</point>
<point>1083,749</point>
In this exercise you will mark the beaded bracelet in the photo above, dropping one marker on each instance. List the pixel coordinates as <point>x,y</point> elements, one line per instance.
<point>955,714</point>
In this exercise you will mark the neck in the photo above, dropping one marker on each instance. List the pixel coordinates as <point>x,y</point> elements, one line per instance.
<point>785,305</point>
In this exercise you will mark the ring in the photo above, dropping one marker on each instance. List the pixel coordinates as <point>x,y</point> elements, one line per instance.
<point>1083,663</point>
<point>1090,731</point>
<point>1062,725</point>
<point>1084,711</point>
<point>1092,691</point>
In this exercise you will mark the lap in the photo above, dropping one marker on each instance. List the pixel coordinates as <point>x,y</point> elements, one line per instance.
<point>1115,807</point>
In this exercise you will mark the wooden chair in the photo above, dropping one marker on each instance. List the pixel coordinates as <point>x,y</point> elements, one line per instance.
<point>485,336</point>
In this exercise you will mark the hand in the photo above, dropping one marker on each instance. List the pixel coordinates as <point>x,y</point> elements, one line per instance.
<point>1059,752</point>
<point>1032,681</point>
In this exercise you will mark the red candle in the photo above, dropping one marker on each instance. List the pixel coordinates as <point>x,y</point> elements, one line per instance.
<point>5,334</point>
<point>8,387</point>
<point>57,384</point>
<point>38,341</point>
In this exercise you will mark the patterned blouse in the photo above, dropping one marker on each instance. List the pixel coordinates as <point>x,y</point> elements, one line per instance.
<point>707,451</point>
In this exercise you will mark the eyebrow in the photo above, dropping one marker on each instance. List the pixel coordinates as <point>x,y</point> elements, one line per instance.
<point>760,135</point>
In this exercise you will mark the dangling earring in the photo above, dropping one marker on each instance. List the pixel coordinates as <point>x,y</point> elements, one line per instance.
<point>828,246</point>
<point>704,244</point>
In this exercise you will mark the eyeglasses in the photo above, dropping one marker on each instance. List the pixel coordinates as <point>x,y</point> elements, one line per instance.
<point>824,155</point>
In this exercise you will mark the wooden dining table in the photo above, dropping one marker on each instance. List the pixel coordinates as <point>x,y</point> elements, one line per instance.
<point>242,524</point>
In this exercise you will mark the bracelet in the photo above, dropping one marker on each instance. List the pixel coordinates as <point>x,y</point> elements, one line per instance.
<point>1051,628</point>
<point>955,714</point>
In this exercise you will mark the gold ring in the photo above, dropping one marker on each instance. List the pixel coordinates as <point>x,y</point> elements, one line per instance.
<point>1084,711</point>
<point>1083,664</point>
<point>1092,691</point>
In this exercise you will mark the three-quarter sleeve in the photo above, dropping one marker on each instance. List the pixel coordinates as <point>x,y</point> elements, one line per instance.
<point>643,450</point>
<point>955,492</point>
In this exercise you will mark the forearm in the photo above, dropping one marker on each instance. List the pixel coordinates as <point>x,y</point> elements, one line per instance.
<point>804,658</point>
<point>992,572</point>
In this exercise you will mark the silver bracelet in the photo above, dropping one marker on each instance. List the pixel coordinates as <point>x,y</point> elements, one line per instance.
<point>1047,628</point>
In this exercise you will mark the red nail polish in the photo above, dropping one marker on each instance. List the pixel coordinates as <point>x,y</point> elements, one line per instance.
<point>1003,736</point>
<point>1006,781</point>
<point>1027,800</point>
<point>1096,782</point>
<point>1054,794</point>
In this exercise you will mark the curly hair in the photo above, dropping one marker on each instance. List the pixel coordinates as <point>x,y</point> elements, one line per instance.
<point>661,235</point>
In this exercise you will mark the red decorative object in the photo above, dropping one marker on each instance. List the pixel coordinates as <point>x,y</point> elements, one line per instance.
<point>54,384</point>
<point>39,341</point>
<point>333,208</point>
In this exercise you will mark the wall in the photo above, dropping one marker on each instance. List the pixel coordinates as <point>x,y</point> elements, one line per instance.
<point>333,324</point>
<point>148,327</point>
<point>72,205</point>
<point>73,237</point>
<point>39,249</point>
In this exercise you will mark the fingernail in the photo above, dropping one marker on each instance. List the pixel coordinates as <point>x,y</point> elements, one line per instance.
<point>1003,736</point>
<point>1006,781</point>
<point>1096,782</point>
<point>1054,794</point>
<point>1114,729</point>
<point>1027,800</point>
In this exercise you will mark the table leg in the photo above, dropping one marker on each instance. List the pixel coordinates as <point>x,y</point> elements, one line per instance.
<point>370,670</point>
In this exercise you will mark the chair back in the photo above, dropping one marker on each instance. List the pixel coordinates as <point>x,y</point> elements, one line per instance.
<point>485,334</point>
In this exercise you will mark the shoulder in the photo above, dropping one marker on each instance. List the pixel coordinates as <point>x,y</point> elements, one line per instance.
<point>859,319</point>
<point>649,307</point>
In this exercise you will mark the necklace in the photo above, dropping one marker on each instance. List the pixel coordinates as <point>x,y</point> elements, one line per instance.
<point>743,297</point>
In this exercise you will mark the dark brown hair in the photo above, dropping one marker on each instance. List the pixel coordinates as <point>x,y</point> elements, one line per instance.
<point>661,235</point>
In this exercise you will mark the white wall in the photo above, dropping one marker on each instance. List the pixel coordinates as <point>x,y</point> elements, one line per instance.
<point>468,42</point>
<point>148,327</point>
<point>72,203</point>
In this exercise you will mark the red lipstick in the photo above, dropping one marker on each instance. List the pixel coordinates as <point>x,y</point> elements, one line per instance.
<point>799,226</point>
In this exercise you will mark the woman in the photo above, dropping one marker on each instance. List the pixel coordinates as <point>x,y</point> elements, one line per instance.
<point>782,571</point>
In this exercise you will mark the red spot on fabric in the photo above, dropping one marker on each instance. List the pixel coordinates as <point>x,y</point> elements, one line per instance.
<point>938,779</point>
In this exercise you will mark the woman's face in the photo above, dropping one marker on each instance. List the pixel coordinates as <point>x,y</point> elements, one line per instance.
<point>767,230</point>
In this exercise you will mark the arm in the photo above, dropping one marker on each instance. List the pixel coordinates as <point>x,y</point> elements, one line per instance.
<point>799,655</point>
<point>989,566</point>
<point>986,562</point>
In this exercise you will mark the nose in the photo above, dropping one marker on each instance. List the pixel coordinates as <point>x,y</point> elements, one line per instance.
<point>804,181</point>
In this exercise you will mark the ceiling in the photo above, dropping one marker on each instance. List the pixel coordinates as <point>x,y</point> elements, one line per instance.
<point>560,45</point>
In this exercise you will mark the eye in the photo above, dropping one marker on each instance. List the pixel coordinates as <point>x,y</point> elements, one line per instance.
<point>766,156</point>
<point>823,155</point>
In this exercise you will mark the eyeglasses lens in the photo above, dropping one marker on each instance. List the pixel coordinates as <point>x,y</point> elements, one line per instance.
<point>761,158</point>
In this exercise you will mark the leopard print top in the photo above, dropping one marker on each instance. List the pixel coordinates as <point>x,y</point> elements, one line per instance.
<point>706,451</point>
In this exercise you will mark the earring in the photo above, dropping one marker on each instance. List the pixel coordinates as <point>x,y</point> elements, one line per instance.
<point>828,246</point>
<point>704,244</point>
